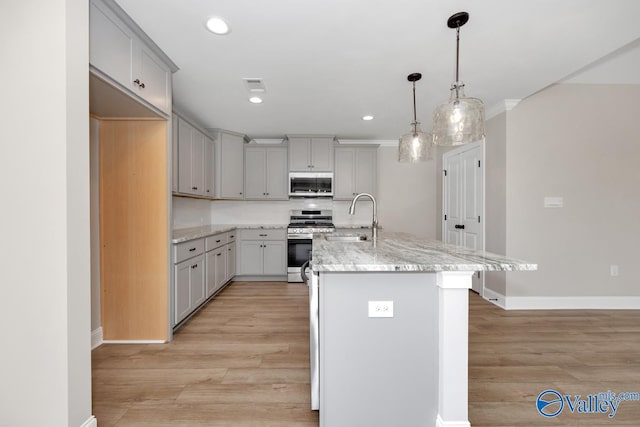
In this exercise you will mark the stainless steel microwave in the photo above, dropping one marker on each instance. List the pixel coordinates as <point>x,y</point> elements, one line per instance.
<point>310,184</point>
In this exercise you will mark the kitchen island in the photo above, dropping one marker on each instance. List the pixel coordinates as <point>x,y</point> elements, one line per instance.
<point>392,329</point>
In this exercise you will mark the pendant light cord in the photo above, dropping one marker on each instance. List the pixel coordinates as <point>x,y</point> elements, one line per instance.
<point>457,52</point>
<point>414,103</point>
<point>457,86</point>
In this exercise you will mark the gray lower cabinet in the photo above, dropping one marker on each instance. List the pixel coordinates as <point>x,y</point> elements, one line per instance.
<point>201,268</point>
<point>189,278</point>
<point>262,253</point>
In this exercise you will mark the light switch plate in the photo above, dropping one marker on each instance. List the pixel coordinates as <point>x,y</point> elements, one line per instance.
<point>380,308</point>
<point>553,202</point>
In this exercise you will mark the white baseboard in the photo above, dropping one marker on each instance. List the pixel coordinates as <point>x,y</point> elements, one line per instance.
<point>134,342</point>
<point>96,338</point>
<point>562,303</point>
<point>441,423</point>
<point>494,297</point>
<point>91,422</point>
<point>573,303</point>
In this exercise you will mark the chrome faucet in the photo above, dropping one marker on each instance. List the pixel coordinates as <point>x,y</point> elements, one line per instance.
<point>374,225</point>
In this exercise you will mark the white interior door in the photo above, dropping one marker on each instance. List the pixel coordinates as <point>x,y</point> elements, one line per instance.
<point>463,201</point>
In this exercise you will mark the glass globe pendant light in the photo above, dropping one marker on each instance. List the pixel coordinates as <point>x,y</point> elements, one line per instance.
<point>414,146</point>
<point>461,120</point>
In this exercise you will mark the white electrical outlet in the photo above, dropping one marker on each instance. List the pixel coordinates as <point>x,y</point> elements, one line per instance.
<point>614,271</point>
<point>380,308</point>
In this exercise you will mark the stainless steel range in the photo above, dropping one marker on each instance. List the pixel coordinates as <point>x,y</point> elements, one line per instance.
<point>302,225</point>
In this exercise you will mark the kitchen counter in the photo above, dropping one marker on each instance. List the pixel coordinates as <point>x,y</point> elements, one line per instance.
<point>389,328</point>
<point>405,252</point>
<point>185,234</point>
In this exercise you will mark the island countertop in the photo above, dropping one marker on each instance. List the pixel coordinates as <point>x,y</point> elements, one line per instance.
<point>405,252</point>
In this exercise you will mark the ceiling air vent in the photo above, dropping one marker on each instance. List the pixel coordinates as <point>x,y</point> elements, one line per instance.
<point>254,85</point>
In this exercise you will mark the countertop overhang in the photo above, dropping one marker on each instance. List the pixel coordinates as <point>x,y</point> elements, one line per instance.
<point>404,252</point>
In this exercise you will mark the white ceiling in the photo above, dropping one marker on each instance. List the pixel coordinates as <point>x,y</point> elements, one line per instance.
<point>327,63</point>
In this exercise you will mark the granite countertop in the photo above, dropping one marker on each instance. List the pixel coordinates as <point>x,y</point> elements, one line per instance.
<point>185,234</point>
<point>405,252</point>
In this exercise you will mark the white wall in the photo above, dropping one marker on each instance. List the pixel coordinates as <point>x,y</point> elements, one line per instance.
<point>579,142</point>
<point>45,364</point>
<point>188,212</point>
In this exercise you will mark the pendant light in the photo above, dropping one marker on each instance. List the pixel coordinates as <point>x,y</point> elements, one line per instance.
<point>414,146</point>
<point>461,120</point>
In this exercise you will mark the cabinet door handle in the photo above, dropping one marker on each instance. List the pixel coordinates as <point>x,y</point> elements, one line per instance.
<point>194,188</point>
<point>192,249</point>
<point>229,249</point>
<point>194,266</point>
<point>218,241</point>
<point>142,85</point>
<point>459,226</point>
<point>137,81</point>
<point>241,193</point>
<point>262,235</point>
<point>232,236</point>
<point>218,254</point>
<point>207,191</point>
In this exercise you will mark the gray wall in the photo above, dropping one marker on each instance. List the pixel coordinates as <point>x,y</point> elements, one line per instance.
<point>45,363</point>
<point>495,196</point>
<point>579,142</point>
<point>406,194</point>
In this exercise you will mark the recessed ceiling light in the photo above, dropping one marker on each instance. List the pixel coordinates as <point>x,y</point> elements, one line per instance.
<point>217,25</point>
<point>255,100</point>
<point>367,118</point>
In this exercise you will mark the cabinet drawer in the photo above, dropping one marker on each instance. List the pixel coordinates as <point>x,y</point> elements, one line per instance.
<point>262,234</point>
<point>186,250</point>
<point>216,241</point>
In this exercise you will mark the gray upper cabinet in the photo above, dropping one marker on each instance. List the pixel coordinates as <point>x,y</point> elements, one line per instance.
<point>195,161</point>
<point>119,51</point>
<point>355,171</point>
<point>265,176</point>
<point>311,153</point>
<point>229,164</point>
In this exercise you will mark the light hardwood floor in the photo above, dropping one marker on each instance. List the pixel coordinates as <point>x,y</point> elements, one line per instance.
<point>243,361</point>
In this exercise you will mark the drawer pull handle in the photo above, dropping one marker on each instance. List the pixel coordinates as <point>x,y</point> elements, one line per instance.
<point>219,254</point>
<point>218,241</point>
<point>232,236</point>
<point>263,235</point>
<point>194,188</point>
<point>194,266</point>
<point>192,249</point>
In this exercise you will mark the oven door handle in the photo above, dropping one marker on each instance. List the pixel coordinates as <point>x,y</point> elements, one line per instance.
<point>306,236</point>
<point>305,278</point>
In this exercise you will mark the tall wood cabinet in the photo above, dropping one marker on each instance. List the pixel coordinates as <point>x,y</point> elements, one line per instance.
<point>265,172</point>
<point>130,97</point>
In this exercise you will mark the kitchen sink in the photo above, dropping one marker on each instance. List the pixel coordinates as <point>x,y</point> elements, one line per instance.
<point>359,238</point>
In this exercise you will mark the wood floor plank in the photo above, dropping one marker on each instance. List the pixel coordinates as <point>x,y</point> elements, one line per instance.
<point>243,360</point>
